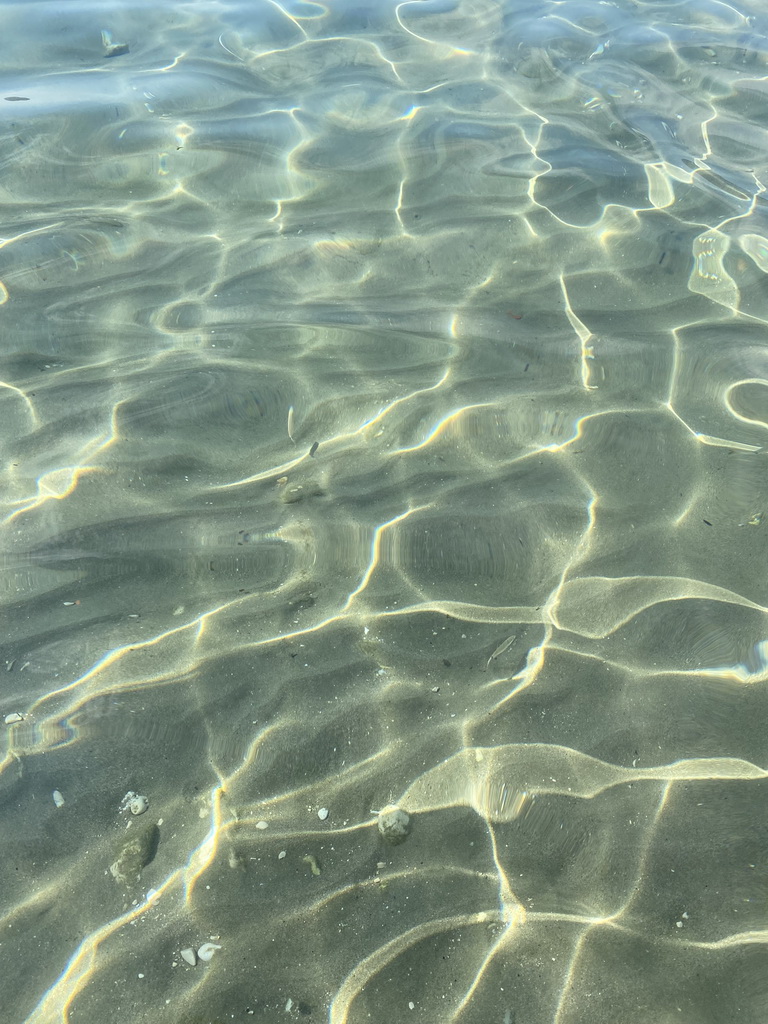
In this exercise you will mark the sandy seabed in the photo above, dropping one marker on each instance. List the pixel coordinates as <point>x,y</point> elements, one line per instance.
<point>383,421</point>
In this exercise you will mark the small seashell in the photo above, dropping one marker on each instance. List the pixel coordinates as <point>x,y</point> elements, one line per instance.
<point>323,813</point>
<point>189,956</point>
<point>138,805</point>
<point>13,718</point>
<point>58,799</point>
<point>207,950</point>
<point>262,824</point>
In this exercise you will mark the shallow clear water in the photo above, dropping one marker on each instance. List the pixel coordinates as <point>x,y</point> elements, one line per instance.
<point>383,408</point>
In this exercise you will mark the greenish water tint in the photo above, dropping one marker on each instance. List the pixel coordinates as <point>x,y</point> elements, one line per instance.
<point>383,408</point>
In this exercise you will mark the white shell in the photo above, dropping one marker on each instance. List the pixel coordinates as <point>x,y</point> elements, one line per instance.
<point>58,799</point>
<point>138,805</point>
<point>13,718</point>
<point>323,813</point>
<point>207,950</point>
<point>189,956</point>
<point>262,824</point>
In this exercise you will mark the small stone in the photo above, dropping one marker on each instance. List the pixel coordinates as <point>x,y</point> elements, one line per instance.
<point>262,824</point>
<point>394,825</point>
<point>323,813</point>
<point>116,50</point>
<point>13,718</point>
<point>58,799</point>
<point>291,493</point>
<point>138,805</point>
<point>136,852</point>
<point>189,956</point>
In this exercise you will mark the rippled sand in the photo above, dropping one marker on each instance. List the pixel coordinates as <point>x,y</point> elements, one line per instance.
<point>383,421</point>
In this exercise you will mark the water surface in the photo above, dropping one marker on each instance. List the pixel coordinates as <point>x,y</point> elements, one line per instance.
<point>383,413</point>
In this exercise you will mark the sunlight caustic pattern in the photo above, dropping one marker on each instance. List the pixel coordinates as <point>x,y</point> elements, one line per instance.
<point>384,419</point>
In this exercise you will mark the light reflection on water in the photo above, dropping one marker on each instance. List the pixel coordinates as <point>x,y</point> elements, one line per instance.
<point>383,422</point>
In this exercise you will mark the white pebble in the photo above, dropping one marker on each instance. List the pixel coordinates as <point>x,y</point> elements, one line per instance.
<point>138,805</point>
<point>262,824</point>
<point>189,956</point>
<point>323,813</point>
<point>207,950</point>
<point>58,799</point>
<point>282,855</point>
<point>13,718</point>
